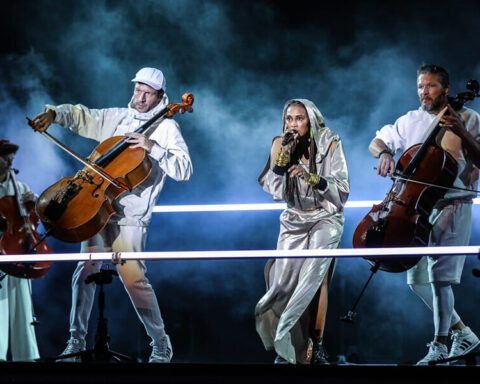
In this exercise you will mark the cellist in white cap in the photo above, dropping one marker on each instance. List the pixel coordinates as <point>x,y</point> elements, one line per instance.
<point>127,229</point>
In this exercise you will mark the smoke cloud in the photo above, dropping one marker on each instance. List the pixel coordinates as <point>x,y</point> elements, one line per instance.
<point>242,61</point>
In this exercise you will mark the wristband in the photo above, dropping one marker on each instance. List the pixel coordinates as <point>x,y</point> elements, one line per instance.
<point>282,159</point>
<point>279,170</point>
<point>322,184</point>
<point>385,151</point>
<point>313,180</point>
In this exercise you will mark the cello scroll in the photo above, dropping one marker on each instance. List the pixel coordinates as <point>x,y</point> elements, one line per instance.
<point>174,108</point>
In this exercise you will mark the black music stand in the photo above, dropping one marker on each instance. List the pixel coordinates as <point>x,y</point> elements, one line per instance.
<point>101,351</point>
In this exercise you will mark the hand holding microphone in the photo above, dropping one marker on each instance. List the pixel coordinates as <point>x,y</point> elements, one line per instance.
<point>288,137</point>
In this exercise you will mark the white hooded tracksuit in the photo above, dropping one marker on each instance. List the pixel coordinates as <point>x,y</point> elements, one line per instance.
<point>127,229</point>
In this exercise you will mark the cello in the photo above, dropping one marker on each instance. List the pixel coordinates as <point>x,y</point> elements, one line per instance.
<point>76,208</point>
<point>21,236</point>
<point>423,175</point>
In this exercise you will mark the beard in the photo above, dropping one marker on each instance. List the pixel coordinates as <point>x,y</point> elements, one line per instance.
<point>436,104</point>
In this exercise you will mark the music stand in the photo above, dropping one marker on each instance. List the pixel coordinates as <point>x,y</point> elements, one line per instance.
<point>101,351</point>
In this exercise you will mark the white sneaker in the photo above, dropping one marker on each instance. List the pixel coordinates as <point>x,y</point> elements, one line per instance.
<point>73,346</point>
<point>436,351</point>
<point>463,342</point>
<point>162,352</point>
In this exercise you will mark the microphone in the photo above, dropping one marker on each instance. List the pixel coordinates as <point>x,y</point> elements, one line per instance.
<point>288,137</point>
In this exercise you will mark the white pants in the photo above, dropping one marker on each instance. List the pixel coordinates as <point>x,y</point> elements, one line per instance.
<point>452,225</point>
<point>16,315</point>
<point>132,274</point>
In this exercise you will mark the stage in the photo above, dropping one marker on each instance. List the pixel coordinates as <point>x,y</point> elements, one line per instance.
<point>73,373</point>
<point>209,238</point>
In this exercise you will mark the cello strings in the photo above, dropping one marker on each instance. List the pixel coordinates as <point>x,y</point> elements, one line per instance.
<point>83,161</point>
<point>397,176</point>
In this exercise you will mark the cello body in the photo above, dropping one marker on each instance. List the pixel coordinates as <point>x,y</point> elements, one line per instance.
<point>401,220</point>
<point>19,237</point>
<point>77,208</point>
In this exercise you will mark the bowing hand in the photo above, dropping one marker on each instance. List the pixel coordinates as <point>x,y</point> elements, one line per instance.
<point>41,122</point>
<point>386,165</point>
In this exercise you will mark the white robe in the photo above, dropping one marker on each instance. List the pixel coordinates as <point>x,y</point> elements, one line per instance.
<point>314,221</point>
<point>16,313</point>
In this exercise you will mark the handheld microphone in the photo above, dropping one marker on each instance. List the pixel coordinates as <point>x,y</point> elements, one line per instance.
<point>288,137</point>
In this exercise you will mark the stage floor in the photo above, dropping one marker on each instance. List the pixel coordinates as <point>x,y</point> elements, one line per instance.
<point>72,373</point>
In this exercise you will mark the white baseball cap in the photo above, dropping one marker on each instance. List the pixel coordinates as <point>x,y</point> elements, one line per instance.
<point>152,77</point>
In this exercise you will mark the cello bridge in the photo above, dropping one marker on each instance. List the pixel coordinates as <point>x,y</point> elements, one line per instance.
<point>85,176</point>
<point>394,198</point>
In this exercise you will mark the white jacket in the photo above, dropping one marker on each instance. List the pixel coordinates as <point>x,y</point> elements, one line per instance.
<point>169,155</point>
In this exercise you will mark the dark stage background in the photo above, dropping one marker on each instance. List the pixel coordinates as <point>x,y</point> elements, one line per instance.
<point>242,60</point>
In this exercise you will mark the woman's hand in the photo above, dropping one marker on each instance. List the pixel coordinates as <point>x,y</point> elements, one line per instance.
<point>298,171</point>
<point>288,139</point>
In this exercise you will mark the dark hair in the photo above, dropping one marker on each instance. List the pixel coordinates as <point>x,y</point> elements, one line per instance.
<point>433,69</point>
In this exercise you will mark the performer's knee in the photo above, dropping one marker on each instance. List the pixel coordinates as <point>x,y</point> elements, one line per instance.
<point>417,288</point>
<point>132,284</point>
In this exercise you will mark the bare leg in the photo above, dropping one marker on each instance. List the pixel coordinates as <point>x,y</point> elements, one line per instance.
<point>319,356</point>
<point>321,310</point>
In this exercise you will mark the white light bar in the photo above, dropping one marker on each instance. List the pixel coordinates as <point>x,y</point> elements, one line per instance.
<point>253,254</point>
<point>253,207</point>
<point>30,258</point>
<point>219,207</point>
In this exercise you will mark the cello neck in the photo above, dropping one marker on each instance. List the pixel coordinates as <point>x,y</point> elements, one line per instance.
<point>106,158</point>
<point>21,206</point>
<point>417,159</point>
<point>456,103</point>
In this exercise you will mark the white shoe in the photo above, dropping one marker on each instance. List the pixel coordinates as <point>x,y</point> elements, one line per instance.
<point>162,352</point>
<point>436,351</point>
<point>463,342</point>
<point>73,346</point>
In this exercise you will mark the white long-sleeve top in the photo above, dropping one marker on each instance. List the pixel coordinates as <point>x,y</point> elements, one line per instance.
<point>412,128</point>
<point>169,155</point>
<point>6,188</point>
